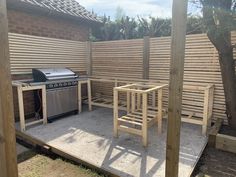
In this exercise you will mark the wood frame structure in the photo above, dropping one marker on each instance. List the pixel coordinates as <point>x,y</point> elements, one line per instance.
<point>108,102</point>
<point>138,117</point>
<point>208,92</point>
<point>8,160</point>
<point>88,82</point>
<point>21,88</point>
<point>203,119</point>
<point>226,143</point>
<point>221,141</point>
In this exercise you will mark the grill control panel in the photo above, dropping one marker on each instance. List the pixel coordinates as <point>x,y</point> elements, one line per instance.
<point>61,84</point>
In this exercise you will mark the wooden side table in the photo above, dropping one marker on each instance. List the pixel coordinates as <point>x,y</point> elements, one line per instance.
<point>139,117</point>
<point>25,87</point>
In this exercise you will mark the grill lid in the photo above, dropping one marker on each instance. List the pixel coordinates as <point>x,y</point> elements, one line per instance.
<point>44,74</point>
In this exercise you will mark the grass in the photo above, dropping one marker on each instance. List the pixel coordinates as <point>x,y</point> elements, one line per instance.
<point>32,164</point>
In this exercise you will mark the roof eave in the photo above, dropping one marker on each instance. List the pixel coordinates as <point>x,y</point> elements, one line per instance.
<point>43,11</point>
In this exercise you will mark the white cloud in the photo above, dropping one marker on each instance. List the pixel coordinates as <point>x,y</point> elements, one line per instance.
<point>160,8</point>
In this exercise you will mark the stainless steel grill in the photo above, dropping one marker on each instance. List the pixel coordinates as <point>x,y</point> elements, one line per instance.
<point>61,87</point>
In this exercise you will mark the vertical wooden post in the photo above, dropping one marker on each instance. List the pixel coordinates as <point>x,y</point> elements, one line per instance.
<point>205,111</point>
<point>8,165</point>
<point>89,58</point>
<point>138,101</point>
<point>116,83</point>
<point>115,113</point>
<point>179,17</point>
<point>211,103</point>
<point>89,90</point>
<point>146,53</point>
<point>79,97</point>
<point>159,111</point>
<point>128,102</point>
<point>144,125</point>
<point>44,105</point>
<point>154,99</point>
<point>21,108</point>
<point>133,101</point>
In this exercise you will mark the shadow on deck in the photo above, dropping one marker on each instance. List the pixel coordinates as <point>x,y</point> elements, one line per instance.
<point>88,137</point>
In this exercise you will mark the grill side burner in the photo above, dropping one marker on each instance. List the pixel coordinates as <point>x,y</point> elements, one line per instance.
<point>61,90</point>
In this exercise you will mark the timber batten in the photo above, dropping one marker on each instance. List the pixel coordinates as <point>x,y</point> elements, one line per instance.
<point>27,52</point>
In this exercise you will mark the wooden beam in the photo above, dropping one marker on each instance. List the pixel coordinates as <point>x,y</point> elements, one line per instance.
<point>213,132</point>
<point>205,111</point>
<point>133,101</point>
<point>44,105</point>
<point>226,143</point>
<point>115,113</point>
<point>8,164</point>
<point>80,97</point>
<point>145,125</point>
<point>159,111</point>
<point>21,108</point>
<point>146,54</point>
<point>89,58</point>
<point>128,102</point>
<point>179,18</point>
<point>89,88</point>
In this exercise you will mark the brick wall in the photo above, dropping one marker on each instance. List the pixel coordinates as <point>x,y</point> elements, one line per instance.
<point>38,25</point>
<point>32,24</point>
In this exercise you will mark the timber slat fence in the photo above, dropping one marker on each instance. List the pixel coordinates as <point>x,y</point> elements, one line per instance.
<point>138,58</point>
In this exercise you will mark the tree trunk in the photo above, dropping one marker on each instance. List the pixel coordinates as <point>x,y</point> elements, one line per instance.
<point>218,22</point>
<point>228,77</point>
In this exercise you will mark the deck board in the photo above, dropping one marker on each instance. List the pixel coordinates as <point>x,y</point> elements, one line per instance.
<point>88,137</point>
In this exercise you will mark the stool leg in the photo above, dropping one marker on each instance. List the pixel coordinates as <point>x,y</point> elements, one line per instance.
<point>159,110</point>
<point>115,112</point>
<point>133,102</point>
<point>89,94</point>
<point>128,102</point>
<point>21,108</point>
<point>79,98</point>
<point>144,125</point>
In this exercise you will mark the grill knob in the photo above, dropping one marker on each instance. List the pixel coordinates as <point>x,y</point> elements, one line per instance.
<point>60,85</point>
<point>69,83</point>
<point>65,84</point>
<point>55,85</point>
<point>50,86</point>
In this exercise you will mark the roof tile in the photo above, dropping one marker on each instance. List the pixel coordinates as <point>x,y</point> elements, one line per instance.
<point>67,7</point>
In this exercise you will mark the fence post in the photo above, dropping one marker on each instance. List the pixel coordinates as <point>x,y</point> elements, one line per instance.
<point>179,18</point>
<point>89,58</point>
<point>8,164</point>
<point>146,55</point>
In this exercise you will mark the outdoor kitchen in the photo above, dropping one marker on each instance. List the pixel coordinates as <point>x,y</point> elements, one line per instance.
<point>59,94</point>
<point>91,106</point>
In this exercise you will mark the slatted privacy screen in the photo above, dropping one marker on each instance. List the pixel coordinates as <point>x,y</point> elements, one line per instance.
<point>124,59</point>
<point>118,58</point>
<point>27,52</point>
<point>201,67</point>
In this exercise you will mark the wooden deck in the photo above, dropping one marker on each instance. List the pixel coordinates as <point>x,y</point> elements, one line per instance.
<point>88,137</point>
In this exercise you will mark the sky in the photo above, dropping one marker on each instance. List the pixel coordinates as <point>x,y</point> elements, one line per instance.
<point>132,8</point>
